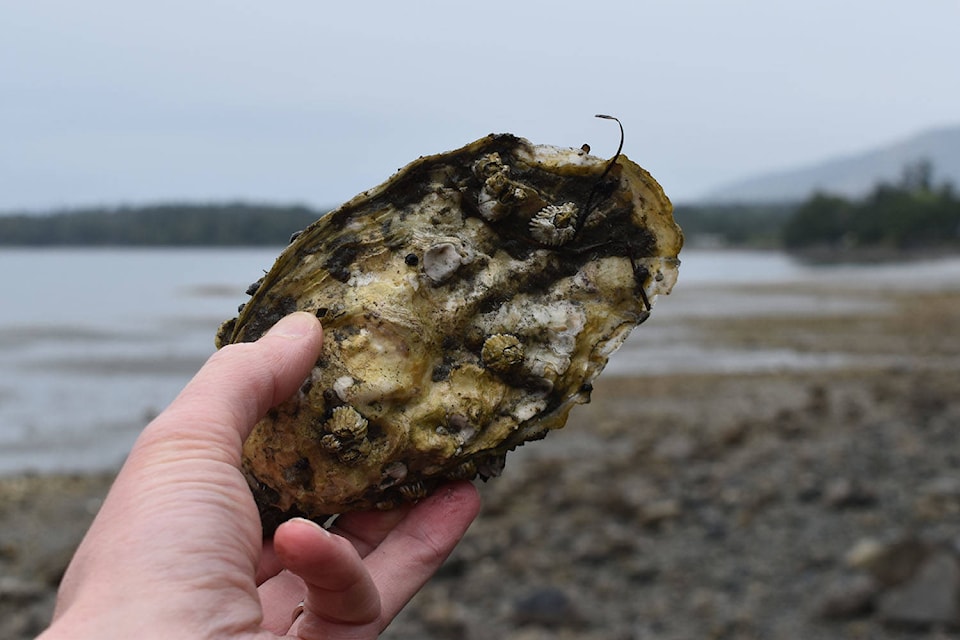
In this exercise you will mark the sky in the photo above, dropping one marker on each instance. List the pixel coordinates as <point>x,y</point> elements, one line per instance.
<point>112,102</point>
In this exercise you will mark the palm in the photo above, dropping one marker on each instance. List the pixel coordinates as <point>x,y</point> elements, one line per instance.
<point>177,549</point>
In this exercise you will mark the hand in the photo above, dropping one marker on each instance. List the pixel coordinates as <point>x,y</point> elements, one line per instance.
<point>176,550</point>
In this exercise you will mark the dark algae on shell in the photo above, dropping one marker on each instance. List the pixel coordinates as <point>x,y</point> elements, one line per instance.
<point>468,303</point>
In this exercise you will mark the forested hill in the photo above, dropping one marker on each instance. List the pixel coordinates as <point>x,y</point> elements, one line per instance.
<point>160,225</point>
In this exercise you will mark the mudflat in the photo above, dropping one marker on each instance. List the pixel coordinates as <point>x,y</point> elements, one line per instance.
<point>812,493</point>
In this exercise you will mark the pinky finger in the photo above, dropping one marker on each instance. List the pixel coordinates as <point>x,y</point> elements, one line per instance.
<point>341,594</point>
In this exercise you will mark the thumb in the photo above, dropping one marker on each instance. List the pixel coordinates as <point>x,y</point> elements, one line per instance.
<point>239,383</point>
<point>174,478</point>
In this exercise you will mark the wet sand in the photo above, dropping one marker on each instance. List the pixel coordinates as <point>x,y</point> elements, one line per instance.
<point>724,503</point>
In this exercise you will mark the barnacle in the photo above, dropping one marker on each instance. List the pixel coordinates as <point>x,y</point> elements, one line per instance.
<point>502,352</point>
<point>347,424</point>
<point>468,303</point>
<point>555,225</point>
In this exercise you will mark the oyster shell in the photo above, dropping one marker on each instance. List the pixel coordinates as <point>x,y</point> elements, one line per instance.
<point>467,303</point>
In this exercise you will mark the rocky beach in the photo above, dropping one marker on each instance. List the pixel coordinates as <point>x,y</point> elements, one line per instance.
<point>788,470</point>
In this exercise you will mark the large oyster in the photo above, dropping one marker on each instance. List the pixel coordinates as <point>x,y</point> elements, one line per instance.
<point>468,303</point>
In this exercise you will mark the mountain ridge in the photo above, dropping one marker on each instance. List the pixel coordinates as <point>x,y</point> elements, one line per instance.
<point>852,175</point>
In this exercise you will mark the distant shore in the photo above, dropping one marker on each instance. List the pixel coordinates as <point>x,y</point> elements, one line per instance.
<point>872,255</point>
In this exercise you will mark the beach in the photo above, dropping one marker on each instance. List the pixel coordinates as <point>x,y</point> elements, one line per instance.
<point>765,458</point>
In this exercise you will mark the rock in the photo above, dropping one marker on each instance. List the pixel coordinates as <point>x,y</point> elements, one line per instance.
<point>850,597</point>
<point>548,606</point>
<point>14,589</point>
<point>844,493</point>
<point>444,619</point>
<point>9,551</point>
<point>891,563</point>
<point>659,511</point>
<point>930,598</point>
<point>640,570</point>
<point>863,553</point>
<point>939,498</point>
<point>818,401</point>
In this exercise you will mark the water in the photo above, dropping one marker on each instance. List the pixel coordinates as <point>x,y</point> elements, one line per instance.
<point>97,341</point>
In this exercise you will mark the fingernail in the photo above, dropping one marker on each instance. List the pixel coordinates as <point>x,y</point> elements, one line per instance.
<point>295,325</point>
<point>312,524</point>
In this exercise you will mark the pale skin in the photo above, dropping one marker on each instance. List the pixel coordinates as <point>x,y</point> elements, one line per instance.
<point>176,550</point>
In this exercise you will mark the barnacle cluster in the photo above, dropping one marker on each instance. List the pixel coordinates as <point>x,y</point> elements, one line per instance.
<point>468,303</point>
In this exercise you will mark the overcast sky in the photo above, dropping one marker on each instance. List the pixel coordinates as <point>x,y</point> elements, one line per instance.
<point>118,102</point>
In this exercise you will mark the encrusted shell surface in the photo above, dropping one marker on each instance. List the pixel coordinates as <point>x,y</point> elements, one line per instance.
<point>467,303</point>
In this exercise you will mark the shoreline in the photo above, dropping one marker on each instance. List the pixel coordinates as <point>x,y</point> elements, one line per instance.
<point>803,325</point>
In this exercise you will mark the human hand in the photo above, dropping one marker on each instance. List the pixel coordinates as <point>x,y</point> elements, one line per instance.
<point>176,550</point>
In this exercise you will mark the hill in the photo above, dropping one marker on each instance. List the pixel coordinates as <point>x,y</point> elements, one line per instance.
<point>852,176</point>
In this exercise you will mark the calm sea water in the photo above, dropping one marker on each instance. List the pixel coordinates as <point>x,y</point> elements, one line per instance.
<point>97,341</point>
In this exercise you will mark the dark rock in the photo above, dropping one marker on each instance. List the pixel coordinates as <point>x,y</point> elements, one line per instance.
<point>818,401</point>
<point>844,493</point>
<point>640,570</point>
<point>548,606</point>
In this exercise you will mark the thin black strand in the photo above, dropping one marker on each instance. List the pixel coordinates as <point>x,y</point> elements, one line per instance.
<point>582,219</point>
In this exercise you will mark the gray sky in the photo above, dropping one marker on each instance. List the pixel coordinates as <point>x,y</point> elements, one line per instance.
<point>118,102</point>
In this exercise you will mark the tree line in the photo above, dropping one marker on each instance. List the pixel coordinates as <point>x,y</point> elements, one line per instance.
<point>911,215</point>
<point>234,224</point>
<point>757,226</point>
<point>249,224</point>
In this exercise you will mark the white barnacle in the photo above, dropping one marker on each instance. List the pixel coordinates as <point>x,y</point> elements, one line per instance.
<point>498,196</point>
<point>441,261</point>
<point>488,165</point>
<point>346,423</point>
<point>555,225</point>
<point>341,385</point>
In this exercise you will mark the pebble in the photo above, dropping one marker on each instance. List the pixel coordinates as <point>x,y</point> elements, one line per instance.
<point>547,606</point>
<point>864,552</point>
<point>850,597</point>
<point>659,511</point>
<point>444,619</point>
<point>938,498</point>
<point>844,493</point>
<point>14,589</point>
